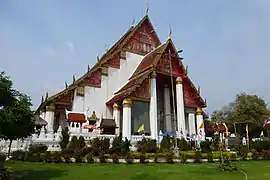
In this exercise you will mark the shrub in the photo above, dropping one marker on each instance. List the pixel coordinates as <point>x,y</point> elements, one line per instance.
<point>255,155</point>
<point>166,144</point>
<point>38,148</point>
<point>117,146</point>
<point>244,152</point>
<point>55,157</point>
<point>96,145</point>
<point>64,138</point>
<point>102,158</point>
<point>206,146</point>
<point>198,156</point>
<point>115,158</point>
<point>210,157</point>
<point>18,155</point>
<point>86,150</point>
<point>126,146</point>
<point>156,158</point>
<point>73,143</point>
<point>266,154</point>
<point>183,144</point>
<point>142,158</point>
<point>129,158</point>
<point>90,158</point>
<point>81,142</point>
<point>234,157</point>
<point>228,166</point>
<point>105,145</point>
<point>183,158</point>
<point>147,146</point>
<point>169,157</point>
<point>78,155</point>
<point>259,146</point>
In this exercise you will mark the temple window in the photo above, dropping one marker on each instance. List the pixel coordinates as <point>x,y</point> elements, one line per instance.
<point>139,116</point>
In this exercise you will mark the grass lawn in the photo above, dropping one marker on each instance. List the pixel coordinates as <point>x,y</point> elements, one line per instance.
<point>256,170</point>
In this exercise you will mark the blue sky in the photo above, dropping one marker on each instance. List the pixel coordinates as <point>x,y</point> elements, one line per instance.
<point>225,43</point>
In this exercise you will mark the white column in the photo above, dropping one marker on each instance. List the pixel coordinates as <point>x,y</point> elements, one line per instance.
<point>180,109</point>
<point>116,117</point>
<point>50,117</point>
<point>127,118</point>
<point>167,109</point>
<point>191,121</point>
<point>200,124</point>
<point>153,107</point>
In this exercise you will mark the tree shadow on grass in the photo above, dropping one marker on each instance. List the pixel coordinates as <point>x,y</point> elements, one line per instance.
<point>39,174</point>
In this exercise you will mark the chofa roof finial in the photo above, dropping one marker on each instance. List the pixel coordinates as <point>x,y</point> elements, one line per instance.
<point>66,85</point>
<point>147,8</point>
<point>186,70</point>
<point>97,58</point>
<point>199,90</point>
<point>170,32</point>
<point>47,95</point>
<point>88,68</point>
<point>74,79</point>
<point>42,99</point>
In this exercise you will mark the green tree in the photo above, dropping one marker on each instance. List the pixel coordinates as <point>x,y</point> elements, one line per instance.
<point>245,109</point>
<point>16,117</point>
<point>65,138</point>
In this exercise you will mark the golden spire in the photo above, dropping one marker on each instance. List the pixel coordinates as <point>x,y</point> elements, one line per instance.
<point>66,84</point>
<point>74,79</point>
<point>47,95</point>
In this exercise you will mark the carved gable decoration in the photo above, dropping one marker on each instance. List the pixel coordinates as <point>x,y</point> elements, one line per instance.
<point>114,61</point>
<point>66,99</point>
<point>163,65</point>
<point>190,98</point>
<point>94,80</point>
<point>144,40</point>
<point>143,91</point>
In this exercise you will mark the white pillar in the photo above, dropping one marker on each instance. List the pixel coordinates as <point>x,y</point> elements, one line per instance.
<point>191,121</point>
<point>116,117</point>
<point>50,117</point>
<point>153,107</point>
<point>167,109</point>
<point>180,109</point>
<point>200,124</point>
<point>127,118</point>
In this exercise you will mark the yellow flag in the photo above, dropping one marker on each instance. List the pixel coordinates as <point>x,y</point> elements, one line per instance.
<point>202,126</point>
<point>227,132</point>
<point>141,128</point>
<point>262,134</point>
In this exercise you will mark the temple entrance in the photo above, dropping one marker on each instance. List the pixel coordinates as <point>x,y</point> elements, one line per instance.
<point>139,117</point>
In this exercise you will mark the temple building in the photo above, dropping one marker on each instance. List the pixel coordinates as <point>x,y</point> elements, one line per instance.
<point>139,82</point>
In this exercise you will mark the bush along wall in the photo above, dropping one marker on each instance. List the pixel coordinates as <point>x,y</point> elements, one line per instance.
<point>100,151</point>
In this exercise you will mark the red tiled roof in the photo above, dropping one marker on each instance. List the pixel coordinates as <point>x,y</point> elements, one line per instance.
<point>76,117</point>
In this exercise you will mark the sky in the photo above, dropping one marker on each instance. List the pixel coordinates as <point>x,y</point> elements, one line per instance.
<point>225,43</point>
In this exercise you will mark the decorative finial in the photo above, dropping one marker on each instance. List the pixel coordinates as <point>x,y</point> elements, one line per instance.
<point>106,48</point>
<point>42,99</point>
<point>74,79</point>
<point>66,84</point>
<point>205,101</point>
<point>147,8</point>
<point>97,58</point>
<point>133,21</point>
<point>170,32</point>
<point>199,90</point>
<point>88,68</point>
<point>186,70</point>
<point>47,95</point>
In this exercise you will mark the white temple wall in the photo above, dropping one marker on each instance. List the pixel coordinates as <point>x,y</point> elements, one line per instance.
<point>95,98</point>
<point>78,103</point>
